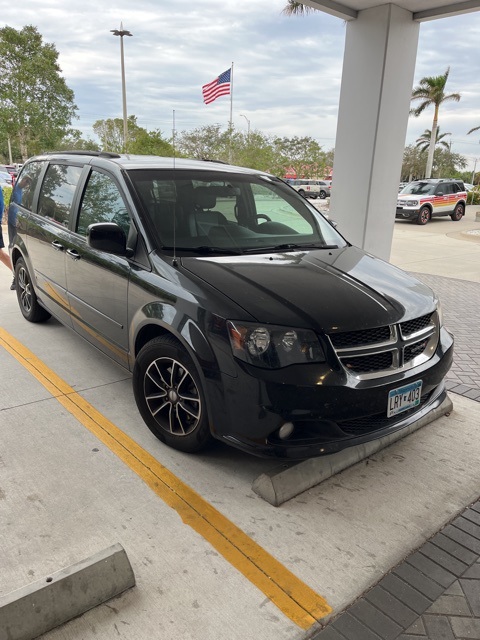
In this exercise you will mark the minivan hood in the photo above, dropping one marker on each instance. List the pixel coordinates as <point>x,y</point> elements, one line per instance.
<point>330,289</point>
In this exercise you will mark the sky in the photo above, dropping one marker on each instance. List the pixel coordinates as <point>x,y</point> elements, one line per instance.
<point>286,70</point>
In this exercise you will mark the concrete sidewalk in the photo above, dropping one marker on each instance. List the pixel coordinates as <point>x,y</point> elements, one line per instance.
<point>65,495</point>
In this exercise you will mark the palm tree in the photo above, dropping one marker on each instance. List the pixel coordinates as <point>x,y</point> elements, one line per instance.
<point>431,91</point>
<point>472,130</point>
<point>423,142</point>
<point>293,8</point>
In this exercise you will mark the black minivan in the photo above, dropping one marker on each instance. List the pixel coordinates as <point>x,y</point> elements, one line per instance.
<point>242,313</point>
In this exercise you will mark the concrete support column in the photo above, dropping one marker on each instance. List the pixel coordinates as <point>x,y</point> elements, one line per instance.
<point>377,80</point>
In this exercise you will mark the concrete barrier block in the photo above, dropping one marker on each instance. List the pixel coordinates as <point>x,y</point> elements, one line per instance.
<point>283,483</point>
<point>45,604</point>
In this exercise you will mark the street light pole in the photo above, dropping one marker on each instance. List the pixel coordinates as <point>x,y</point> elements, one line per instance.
<point>248,127</point>
<point>123,32</point>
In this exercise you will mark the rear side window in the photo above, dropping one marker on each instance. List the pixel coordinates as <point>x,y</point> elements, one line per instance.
<point>25,186</point>
<point>56,194</point>
<point>102,202</point>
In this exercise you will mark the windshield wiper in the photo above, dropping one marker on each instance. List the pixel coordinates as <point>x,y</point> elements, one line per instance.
<point>293,247</point>
<point>208,249</point>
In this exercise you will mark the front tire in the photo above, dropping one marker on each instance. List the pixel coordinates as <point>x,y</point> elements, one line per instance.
<point>458,212</point>
<point>424,215</point>
<point>169,395</point>
<point>27,299</point>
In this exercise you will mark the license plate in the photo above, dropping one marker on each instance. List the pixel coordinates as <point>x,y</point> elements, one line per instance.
<point>404,398</point>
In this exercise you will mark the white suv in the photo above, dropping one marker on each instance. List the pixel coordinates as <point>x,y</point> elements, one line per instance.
<point>311,188</point>
<point>421,200</point>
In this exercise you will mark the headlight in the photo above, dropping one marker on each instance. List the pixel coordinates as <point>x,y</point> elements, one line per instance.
<point>413,203</point>
<point>273,347</point>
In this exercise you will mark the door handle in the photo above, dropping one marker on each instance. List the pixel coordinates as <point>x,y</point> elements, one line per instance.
<point>74,255</point>
<point>57,246</point>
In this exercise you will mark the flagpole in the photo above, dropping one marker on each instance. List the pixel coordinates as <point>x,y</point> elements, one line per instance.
<point>231,95</point>
<point>231,115</point>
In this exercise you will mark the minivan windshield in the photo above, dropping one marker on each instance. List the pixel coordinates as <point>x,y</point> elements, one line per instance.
<point>206,211</point>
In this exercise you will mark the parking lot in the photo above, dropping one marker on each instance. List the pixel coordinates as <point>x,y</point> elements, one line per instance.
<point>80,471</point>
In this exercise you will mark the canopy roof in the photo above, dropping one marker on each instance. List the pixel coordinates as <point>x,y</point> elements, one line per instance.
<point>421,9</point>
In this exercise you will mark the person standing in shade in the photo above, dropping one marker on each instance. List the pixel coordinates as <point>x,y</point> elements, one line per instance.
<point>4,257</point>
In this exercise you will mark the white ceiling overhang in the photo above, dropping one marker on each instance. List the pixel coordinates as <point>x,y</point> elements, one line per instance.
<point>421,10</point>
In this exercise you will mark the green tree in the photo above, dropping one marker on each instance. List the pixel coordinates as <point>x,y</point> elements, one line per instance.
<point>254,150</point>
<point>431,92</point>
<point>448,164</point>
<point>423,142</point>
<point>207,142</point>
<point>73,141</point>
<point>140,141</point>
<point>150,143</point>
<point>413,165</point>
<point>303,155</point>
<point>36,105</point>
<point>110,133</point>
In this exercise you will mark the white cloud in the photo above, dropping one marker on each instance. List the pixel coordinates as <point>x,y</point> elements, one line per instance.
<point>287,70</point>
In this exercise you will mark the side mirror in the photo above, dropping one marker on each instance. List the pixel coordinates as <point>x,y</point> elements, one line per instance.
<point>108,237</point>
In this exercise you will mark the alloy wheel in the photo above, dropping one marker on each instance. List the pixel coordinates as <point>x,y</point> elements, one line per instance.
<point>172,396</point>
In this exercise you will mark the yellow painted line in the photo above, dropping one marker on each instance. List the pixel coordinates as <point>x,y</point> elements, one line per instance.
<point>293,597</point>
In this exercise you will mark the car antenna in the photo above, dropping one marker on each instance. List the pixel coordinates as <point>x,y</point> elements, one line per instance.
<point>174,261</point>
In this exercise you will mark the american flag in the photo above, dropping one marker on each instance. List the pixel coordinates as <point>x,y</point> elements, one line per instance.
<point>218,87</point>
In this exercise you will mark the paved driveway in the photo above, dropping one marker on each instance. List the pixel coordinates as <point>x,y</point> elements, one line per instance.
<point>204,567</point>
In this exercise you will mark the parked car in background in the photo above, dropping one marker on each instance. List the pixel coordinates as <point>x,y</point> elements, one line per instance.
<point>422,200</point>
<point>310,188</point>
<point>241,312</point>
<point>6,179</point>
<point>469,187</point>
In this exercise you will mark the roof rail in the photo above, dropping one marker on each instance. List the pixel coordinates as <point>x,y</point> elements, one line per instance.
<point>83,152</point>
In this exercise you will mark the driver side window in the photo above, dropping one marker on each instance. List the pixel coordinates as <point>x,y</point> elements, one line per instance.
<point>271,207</point>
<point>102,202</point>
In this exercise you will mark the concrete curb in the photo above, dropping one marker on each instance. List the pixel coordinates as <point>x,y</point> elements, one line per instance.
<point>283,483</point>
<point>49,602</point>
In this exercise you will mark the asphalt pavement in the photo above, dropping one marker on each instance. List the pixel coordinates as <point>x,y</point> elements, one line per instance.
<point>388,548</point>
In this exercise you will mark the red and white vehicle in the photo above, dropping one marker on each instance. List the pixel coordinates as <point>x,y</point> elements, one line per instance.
<point>422,200</point>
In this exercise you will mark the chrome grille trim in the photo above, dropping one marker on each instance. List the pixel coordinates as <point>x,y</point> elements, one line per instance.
<point>402,347</point>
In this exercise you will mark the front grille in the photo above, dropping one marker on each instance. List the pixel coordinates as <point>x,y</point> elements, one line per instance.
<point>363,364</point>
<point>412,326</point>
<point>383,350</point>
<point>356,338</point>
<point>369,424</point>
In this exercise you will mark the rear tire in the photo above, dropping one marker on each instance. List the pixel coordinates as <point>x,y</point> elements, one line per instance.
<point>458,212</point>
<point>169,395</point>
<point>424,215</point>
<point>322,195</point>
<point>27,299</point>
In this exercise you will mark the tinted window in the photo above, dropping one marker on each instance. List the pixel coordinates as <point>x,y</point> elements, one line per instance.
<point>26,183</point>
<point>202,210</point>
<point>271,206</point>
<point>102,202</point>
<point>56,194</point>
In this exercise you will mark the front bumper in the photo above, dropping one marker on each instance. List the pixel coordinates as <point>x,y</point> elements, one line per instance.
<point>405,214</point>
<point>330,410</point>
